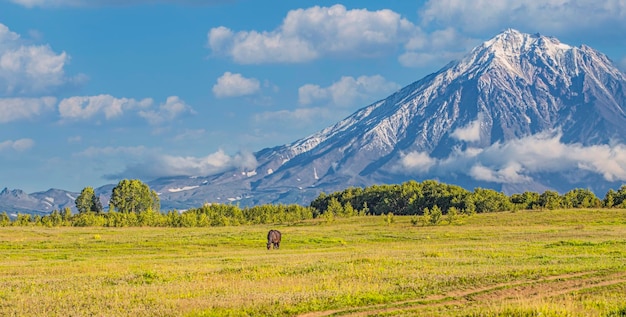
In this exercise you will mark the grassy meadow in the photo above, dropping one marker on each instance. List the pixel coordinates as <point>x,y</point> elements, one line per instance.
<point>526,263</point>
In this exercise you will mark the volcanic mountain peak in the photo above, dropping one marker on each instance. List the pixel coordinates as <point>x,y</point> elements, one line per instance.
<point>520,110</point>
<point>521,54</point>
<point>512,86</point>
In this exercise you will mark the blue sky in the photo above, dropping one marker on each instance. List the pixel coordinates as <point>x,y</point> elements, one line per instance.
<point>93,91</point>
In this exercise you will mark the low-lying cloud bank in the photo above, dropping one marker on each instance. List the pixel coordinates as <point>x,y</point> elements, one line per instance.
<point>515,161</point>
<point>153,165</point>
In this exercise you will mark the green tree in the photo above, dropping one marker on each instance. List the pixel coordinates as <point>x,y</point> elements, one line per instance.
<point>525,200</point>
<point>452,214</point>
<point>550,200</point>
<point>609,199</point>
<point>334,207</point>
<point>96,204</point>
<point>580,198</point>
<point>435,215</point>
<point>4,219</point>
<point>88,201</point>
<point>84,201</point>
<point>426,216</point>
<point>619,197</point>
<point>489,200</point>
<point>133,196</point>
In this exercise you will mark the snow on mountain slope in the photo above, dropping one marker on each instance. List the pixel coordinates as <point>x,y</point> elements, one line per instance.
<point>515,86</point>
<point>518,112</point>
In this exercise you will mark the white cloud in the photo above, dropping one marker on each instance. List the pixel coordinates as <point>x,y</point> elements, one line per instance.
<point>168,111</point>
<point>29,69</point>
<point>13,109</point>
<point>211,164</point>
<point>551,16</point>
<point>155,165</point>
<point>86,107</point>
<point>348,91</point>
<point>507,174</point>
<point>93,3</point>
<point>308,34</point>
<point>235,85</point>
<point>17,145</point>
<point>470,133</point>
<point>419,162</point>
<point>516,160</point>
<point>151,163</point>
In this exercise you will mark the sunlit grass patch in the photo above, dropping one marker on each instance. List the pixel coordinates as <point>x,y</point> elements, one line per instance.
<point>355,264</point>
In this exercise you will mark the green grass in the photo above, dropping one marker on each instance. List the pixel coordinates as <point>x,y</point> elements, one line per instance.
<point>528,263</point>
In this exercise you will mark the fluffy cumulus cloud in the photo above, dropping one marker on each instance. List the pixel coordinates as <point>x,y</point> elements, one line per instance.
<point>91,3</point>
<point>17,145</point>
<point>86,107</point>
<point>348,91</point>
<point>308,34</point>
<point>551,16</point>
<point>27,69</point>
<point>13,109</point>
<point>235,85</point>
<point>515,161</point>
<point>168,111</point>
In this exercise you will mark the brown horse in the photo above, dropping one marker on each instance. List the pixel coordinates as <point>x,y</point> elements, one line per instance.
<point>273,239</point>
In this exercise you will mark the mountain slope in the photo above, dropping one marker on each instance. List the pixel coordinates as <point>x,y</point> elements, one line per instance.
<point>513,86</point>
<point>519,112</point>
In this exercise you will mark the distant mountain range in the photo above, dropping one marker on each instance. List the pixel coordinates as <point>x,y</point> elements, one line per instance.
<point>519,112</point>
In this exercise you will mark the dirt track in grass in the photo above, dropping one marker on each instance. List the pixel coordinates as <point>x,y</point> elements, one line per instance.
<point>546,287</point>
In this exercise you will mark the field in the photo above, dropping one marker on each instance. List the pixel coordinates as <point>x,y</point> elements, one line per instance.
<point>527,263</point>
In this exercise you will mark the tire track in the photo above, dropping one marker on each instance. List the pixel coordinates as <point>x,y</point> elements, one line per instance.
<point>518,290</point>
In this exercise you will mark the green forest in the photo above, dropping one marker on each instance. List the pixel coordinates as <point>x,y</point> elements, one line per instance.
<point>430,202</point>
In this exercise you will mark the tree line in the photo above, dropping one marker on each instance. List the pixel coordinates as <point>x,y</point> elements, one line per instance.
<point>133,203</point>
<point>413,198</point>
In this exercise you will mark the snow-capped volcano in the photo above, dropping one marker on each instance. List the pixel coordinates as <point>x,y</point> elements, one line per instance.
<point>515,86</point>
<point>519,112</point>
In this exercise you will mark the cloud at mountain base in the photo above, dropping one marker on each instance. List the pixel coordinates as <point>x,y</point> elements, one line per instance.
<point>152,163</point>
<point>515,161</point>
